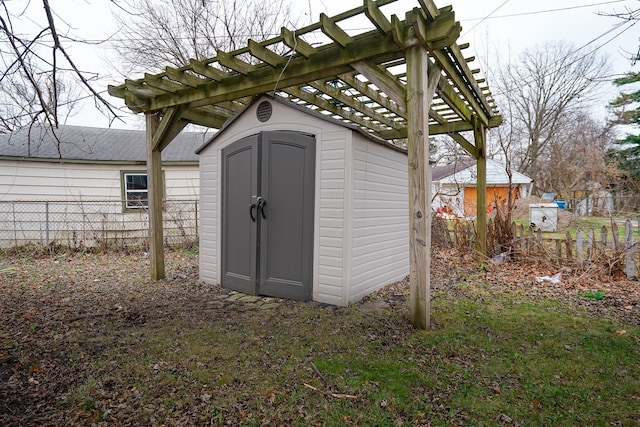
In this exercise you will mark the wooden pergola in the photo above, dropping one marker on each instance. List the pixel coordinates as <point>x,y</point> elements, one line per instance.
<point>402,80</point>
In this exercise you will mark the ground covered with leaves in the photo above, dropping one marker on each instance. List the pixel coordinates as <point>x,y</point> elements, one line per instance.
<point>88,339</point>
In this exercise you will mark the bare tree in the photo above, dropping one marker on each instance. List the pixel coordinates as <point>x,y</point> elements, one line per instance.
<point>631,17</point>
<point>543,90</point>
<point>576,159</point>
<point>156,34</point>
<point>38,75</point>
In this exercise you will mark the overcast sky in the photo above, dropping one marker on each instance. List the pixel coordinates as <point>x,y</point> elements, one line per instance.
<point>492,27</point>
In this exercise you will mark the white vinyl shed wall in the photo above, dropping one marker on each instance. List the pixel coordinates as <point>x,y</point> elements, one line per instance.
<point>361,231</point>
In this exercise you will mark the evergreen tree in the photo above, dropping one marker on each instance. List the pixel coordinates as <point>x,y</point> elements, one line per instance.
<point>627,111</point>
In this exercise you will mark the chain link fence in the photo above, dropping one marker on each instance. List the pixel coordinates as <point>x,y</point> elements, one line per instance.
<point>94,224</point>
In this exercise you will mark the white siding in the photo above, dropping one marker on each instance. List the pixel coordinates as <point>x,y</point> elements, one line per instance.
<point>380,236</point>
<point>78,204</point>
<point>29,180</point>
<point>448,195</point>
<point>331,204</point>
<point>209,233</point>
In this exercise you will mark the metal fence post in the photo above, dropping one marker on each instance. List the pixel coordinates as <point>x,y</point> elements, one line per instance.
<point>196,219</point>
<point>46,220</point>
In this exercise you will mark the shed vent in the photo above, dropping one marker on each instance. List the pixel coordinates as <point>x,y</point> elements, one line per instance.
<point>264,111</point>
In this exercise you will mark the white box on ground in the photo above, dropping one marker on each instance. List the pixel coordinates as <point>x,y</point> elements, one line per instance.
<point>544,216</point>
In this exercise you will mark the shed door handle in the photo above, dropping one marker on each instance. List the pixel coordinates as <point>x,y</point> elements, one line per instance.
<point>252,206</point>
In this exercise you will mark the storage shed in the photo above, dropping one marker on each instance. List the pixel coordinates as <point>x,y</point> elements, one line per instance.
<point>298,205</point>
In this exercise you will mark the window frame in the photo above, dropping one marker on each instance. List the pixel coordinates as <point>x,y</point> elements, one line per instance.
<point>128,206</point>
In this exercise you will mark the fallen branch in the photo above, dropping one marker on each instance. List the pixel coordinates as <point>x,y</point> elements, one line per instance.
<point>328,393</point>
<point>317,371</point>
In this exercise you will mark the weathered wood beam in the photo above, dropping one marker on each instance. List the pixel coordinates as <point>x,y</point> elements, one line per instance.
<point>117,91</point>
<point>455,66</point>
<point>338,95</point>
<point>325,63</point>
<point>154,196</point>
<point>334,109</point>
<point>374,95</point>
<point>207,70</point>
<point>183,77</point>
<point>333,31</point>
<point>162,83</point>
<point>468,74</point>
<point>143,90</point>
<point>376,16</point>
<point>264,54</point>
<point>464,143</point>
<point>135,103</point>
<point>463,84</point>
<point>205,119</point>
<point>430,9</point>
<point>420,91</point>
<point>428,34</point>
<point>171,124</point>
<point>233,63</point>
<point>384,80</point>
<point>452,98</point>
<point>443,28</point>
<point>398,31</point>
<point>296,43</point>
<point>480,135</point>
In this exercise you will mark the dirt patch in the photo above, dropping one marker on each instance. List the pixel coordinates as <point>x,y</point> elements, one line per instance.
<point>60,315</point>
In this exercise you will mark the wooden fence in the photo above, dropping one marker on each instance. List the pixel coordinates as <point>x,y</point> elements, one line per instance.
<point>605,247</point>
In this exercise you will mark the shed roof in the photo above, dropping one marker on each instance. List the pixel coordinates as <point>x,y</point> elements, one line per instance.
<point>91,144</point>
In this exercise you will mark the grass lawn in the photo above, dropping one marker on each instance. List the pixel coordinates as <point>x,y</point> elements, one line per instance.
<point>490,358</point>
<point>586,223</point>
<point>99,344</point>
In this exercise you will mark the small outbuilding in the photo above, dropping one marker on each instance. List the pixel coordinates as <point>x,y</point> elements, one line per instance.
<point>455,187</point>
<point>296,204</point>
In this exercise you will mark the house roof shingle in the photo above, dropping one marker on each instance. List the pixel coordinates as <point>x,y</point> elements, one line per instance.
<point>95,144</point>
<point>444,171</point>
<point>464,171</point>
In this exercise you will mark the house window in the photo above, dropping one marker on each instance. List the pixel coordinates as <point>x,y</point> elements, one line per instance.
<point>135,190</point>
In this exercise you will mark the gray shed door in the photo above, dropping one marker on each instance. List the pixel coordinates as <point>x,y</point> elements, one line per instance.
<point>268,208</point>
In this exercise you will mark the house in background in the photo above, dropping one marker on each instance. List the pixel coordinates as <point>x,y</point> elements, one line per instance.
<point>85,163</point>
<point>84,186</point>
<point>454,187</point>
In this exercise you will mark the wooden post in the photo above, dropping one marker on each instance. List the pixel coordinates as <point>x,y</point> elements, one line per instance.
<point>154,194</point>
<point>603,241</point>
<point>568,240</point>
<point>591,253</point>
<point>630,268</point>
<point>420,90</point>
<point>480,134</point>
<point>579,249</point>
